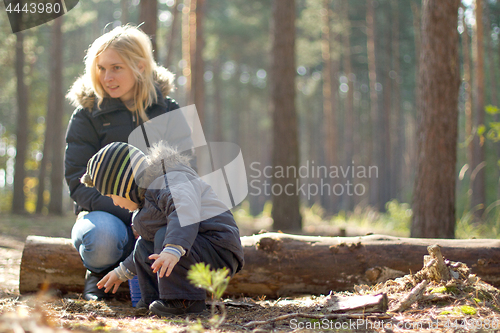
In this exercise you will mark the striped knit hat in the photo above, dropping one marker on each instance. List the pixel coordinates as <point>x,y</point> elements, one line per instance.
<point>114,170</point>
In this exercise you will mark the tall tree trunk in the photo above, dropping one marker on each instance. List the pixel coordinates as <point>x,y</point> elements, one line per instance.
<point>57,170</point>
<point>434,190</point>
<point>374,116</point>
<point>467,91</point>
<point>285,212</point>
<point>311,138</point>
<point>18,199</point>
<point>497,119</point>
<point>174,29</point>
<point>235,114</point>
<point>124,6</point>
<point>148,14</point>
<point>410,120</point>
<point>347,201</point>
<point>48,149</point>
<point>186,51</point>
<point>42,169</point>
<point>492,69</point>
<point>478,197</point>
<point>197,64</point>
<point>218,137</point>
<point>399,125</point>
<point>329,123</point>
<point>385,124</point>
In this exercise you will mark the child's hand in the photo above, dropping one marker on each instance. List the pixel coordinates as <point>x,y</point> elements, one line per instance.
<point>109,281</point>
<point>164,262</point>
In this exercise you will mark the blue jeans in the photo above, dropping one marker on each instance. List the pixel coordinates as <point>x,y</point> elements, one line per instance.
<point>102,240</point>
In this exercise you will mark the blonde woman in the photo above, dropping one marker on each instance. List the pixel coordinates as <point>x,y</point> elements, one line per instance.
<point>121,88</point>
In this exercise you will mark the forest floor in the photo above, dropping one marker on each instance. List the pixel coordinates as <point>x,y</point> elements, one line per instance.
<point>465,305</point>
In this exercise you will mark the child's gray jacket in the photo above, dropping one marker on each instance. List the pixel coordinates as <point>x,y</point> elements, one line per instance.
<point>187,205</point>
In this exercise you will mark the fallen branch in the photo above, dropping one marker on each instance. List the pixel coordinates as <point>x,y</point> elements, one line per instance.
<point>412,297</point>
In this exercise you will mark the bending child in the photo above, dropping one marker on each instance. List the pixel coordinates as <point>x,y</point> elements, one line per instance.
<point>168,244</point>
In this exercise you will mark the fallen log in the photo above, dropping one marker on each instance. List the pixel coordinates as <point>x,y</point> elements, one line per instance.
<point>283,265</point>
<point>53,263</point>
<point>50,262</point>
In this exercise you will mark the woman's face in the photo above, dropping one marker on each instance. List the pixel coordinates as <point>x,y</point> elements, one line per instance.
<point>116,78</point>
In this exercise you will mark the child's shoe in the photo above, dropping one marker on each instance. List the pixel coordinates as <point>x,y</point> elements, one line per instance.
<point>165,308</point>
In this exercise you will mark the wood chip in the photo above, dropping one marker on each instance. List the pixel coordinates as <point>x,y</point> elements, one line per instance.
<point>367,303</point>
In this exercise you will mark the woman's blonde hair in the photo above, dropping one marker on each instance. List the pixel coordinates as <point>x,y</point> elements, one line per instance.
<point>133,46</point>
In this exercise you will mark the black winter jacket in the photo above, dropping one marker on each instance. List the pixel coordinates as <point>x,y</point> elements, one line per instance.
<point>91,128</point>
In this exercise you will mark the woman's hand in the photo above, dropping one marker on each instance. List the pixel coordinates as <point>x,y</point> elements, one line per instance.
<point>109,281</point>
<point>164,262</point>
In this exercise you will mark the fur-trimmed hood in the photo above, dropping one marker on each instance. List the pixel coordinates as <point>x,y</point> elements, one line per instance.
<point>161,155</point>
<point>81,93</point>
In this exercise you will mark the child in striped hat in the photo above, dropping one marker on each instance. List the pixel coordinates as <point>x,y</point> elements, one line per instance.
<point>113,171</point>
<point>167,247</point>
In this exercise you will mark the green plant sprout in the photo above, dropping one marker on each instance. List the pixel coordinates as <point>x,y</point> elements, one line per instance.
<point>213,281</point>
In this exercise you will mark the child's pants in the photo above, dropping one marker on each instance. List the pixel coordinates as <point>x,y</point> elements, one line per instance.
<point>177,286</point>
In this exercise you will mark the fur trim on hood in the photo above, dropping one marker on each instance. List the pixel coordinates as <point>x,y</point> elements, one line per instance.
<point>172,160</point>
<point>81,93</point>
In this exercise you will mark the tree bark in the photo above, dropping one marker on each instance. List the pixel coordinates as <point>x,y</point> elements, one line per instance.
<point>478,197</point>
<point>397,121</point>
<point>492,70</point>
<point>218,105</point>
<point>468,90</point>
<point>197,63</point>
<point>386,127</point>
<point>186,51</point>
<point>124,7</point>
<point>53,261</point>
<point>50,119</point>
<point>329,123</point>
<point>279,265</point>
<point>42,169</point>
<point>434,190</point>
<point>173,34</point>
<point>149,16</point>
<point>57,160</point>
<point>408,119</point>
<point>347,201</point>
<point>18,199</point>
<point>285,212</point>
<point>374,112</point>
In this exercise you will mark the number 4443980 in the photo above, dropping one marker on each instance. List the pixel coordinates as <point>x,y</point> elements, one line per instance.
<point>35,8</point>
